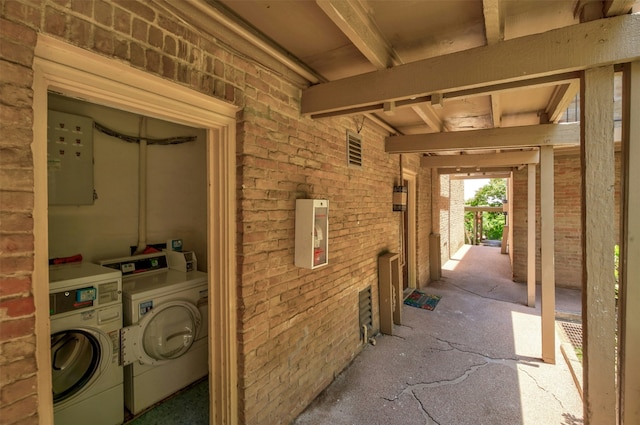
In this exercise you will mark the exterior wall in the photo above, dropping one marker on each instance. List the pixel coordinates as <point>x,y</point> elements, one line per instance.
<point>456,223</point>
<point>423,227</point>
<point>297,328</point>
<point>18,380</point>
<point>568,230</point>
<point>449,214</point>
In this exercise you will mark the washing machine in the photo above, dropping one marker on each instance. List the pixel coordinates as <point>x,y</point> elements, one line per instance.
<point>164,338</point>
<point>85,309</point>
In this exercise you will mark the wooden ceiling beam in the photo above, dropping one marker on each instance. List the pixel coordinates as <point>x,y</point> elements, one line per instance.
<point>476,170</point>
<point>494,32</point>
<point>355,23</point>
<point>496,110</point>
<point>486,175</point>
<point>429,116</point>
<point>493,20</point>
<point>546,81</point>
<point>617,7</point>
<point>560,100</point>
<point>589,10</point>
<point>568,49</point>
<point>491,138</point>
<point>503,159</point>
<point>353,20</point>
<point>483,209</point>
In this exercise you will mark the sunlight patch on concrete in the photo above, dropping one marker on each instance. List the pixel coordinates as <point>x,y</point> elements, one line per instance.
<point>528,341</point>
<point>456,258</point>
<point>545,387</point>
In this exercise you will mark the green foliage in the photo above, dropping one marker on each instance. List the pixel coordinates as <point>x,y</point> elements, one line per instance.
<point>492,225</point>
<point>492,194</point>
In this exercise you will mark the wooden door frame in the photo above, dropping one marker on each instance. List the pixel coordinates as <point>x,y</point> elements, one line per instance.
<point>410,176</point>
<point>75,72</point>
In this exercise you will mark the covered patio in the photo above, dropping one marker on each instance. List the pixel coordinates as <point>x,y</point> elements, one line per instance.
<point>474,359</point>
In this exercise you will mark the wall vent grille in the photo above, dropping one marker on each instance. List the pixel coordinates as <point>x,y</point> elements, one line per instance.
<point>366,312</point>
<point>354,149</point>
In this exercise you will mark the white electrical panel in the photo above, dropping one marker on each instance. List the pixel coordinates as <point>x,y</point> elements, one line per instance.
<point>312,233</point>
<point>69,159</point>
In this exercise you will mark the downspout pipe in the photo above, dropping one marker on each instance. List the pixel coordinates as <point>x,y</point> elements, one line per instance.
<point>142,187</point>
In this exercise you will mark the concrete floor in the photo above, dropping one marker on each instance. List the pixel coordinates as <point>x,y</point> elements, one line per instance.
<point>475,359</point>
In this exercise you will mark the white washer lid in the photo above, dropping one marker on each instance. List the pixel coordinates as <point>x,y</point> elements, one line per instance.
<point>74,274</point>
<point>162,282</point>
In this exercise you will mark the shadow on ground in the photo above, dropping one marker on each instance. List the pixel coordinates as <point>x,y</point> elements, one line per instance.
<point>473,360</point>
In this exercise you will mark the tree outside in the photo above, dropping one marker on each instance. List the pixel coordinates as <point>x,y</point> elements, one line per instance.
<point>492,194</point>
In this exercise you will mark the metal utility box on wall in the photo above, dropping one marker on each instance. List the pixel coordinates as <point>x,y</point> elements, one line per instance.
<point>312,233</point>
<point>69,159</point>
<point>390,293</point>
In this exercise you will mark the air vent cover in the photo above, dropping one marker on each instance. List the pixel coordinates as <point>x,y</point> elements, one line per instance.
<point>365,311</point>
<point>354,149</point>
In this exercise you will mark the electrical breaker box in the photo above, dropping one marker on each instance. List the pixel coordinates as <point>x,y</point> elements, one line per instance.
<point>69,159</point>
<point>312,233</point>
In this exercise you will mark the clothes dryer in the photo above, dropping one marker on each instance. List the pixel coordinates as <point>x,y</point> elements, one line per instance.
<point>164,341</point>
<point>85,306</point>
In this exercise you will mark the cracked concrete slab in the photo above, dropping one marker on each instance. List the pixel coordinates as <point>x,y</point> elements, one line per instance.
<point>461,405</point>
<point>473,360</point>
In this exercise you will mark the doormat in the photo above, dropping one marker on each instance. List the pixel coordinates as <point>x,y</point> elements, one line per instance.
<point>421,300</point>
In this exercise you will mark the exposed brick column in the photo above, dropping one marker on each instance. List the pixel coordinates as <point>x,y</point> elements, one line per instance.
<point>18,382</point>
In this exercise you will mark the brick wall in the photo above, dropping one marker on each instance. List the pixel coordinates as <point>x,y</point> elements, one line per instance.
<point>18,402</point>
<point>423,227</point>
<point>456,222</point>
<point>448,199</point>
<point>297,328</point>
<point>568,230</point>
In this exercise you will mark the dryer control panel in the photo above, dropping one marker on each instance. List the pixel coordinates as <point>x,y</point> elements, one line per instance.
<point>78,298</point>
<point>78,286</point>
<point>138,264</point>
<point>71,300</point>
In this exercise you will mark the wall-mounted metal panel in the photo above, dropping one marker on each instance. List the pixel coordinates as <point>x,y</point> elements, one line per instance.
<point>69,159</point>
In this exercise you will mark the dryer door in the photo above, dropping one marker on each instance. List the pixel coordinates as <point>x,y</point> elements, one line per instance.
<point>75,361</point>
<point>166,332</point>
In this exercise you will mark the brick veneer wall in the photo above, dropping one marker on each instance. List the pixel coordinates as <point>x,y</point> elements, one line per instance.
<point>568,230</point>
<point>423,227</point>
<point>297,328</point>
<point>456,223</point>
<point>18,401</point>
<point>448,198</point>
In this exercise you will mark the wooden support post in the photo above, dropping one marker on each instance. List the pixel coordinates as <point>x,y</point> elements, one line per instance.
<point>435,262</point>
<point>531,235</point>
<point>475,228</point>
<point>598,302</point>
<point>629,331</point>
<point>548,298</point>
<point>435,259</point>
<point>505,239</point>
